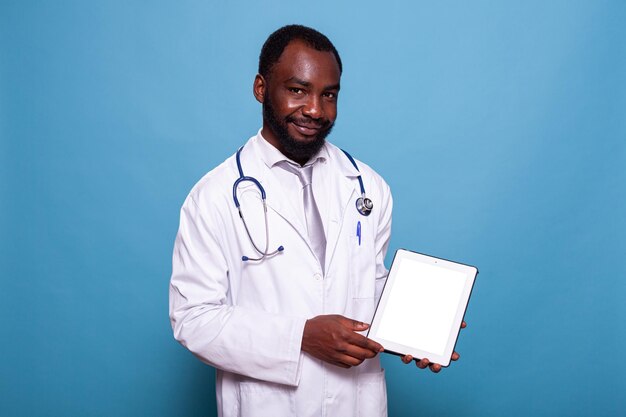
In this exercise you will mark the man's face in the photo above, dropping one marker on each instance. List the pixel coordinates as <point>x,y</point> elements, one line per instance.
<point>299,100</point>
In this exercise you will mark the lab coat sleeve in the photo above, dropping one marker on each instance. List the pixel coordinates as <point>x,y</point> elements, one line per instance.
<point>382,238</point>
<point>248,342</point>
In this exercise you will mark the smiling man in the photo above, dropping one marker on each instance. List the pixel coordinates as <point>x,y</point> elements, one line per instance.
<point>299,97</point>
<point>278,261</point>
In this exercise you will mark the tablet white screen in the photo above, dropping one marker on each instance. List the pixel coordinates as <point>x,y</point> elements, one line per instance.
<point>421,306</point>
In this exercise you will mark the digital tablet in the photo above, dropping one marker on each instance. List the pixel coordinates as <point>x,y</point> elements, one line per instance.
<point>422,306</point>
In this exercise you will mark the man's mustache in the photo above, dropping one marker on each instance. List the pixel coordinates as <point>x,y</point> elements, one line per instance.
<point>309,122</point>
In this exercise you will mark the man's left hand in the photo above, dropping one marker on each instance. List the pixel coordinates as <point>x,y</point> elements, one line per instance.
<point>434,367</point>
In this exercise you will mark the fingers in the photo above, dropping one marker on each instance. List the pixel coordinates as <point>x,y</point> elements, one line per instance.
<point>352,354</point>
<point>361,348</point>
<point>350,359</point>
<point>365,343</point>
<point>334,339</point>
<point>422,364</point>
<point>355,347</point>
<point>435,367</point>
<point>358,353</point>
<point>357,326</point>
<point>359,339</point>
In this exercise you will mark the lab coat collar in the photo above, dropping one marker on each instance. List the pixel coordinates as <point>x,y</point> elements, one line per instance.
<point>343,190</point>
<point>343,163</point>
<point>272,156</point>
<point>264,157</point>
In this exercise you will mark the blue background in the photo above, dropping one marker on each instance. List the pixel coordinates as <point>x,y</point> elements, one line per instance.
<point>500,127</point>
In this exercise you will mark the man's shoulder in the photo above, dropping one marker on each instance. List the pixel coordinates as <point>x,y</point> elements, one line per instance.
<point>217,183</point>
<point>213,186</point>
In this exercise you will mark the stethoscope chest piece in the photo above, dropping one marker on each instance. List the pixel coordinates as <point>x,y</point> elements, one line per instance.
<point>364,206</point>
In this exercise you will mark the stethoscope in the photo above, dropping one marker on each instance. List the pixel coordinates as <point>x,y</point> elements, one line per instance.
<point>363,205</point>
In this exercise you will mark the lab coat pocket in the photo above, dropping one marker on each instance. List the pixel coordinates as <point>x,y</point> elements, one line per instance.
<point>265,399</point>
<point>372,395</point>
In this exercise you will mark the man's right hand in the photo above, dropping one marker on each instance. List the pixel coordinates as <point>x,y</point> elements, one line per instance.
<point>333,339</point>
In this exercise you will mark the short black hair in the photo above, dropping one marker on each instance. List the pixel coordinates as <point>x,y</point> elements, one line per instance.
<point>278,41</point>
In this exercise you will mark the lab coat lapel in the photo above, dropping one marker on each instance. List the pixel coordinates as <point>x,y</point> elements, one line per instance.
<point>277,200</point>
<point>344,192</point>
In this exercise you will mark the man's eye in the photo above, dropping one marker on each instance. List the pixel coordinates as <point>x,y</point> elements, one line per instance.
<point>330,95</point>
<point>295,90</point>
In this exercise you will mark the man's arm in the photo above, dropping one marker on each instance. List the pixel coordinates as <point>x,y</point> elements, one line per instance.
<point>383,235</point>
<point>235,339</point>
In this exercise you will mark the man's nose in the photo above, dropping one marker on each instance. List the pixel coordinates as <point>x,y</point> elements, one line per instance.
<point>313,108</point>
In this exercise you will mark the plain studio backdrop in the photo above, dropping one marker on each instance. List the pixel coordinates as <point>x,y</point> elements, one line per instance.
<point>500,126</point>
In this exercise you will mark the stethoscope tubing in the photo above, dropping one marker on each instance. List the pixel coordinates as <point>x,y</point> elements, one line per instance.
<point>363,205</point>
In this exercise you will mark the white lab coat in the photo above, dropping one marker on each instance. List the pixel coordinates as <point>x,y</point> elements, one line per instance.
<point>247,318</point>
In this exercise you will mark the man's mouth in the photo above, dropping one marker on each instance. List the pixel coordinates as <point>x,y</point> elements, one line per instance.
<point>307,129</point>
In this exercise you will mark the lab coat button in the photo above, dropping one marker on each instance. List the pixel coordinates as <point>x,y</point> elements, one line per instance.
<point>317,277</point>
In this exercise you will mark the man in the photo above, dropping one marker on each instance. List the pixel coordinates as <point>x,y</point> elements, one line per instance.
<point>276,298</point>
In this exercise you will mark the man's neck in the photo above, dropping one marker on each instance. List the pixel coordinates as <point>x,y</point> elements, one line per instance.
<point>270,137</point>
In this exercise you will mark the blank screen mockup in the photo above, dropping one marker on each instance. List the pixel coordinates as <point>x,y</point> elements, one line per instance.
<point>421,306</point>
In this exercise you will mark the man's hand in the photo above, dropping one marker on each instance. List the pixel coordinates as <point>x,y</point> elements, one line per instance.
<point>333,339</point>
<point>435,367</point>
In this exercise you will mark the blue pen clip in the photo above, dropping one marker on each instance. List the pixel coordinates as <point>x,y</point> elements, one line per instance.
<point>358,231</point>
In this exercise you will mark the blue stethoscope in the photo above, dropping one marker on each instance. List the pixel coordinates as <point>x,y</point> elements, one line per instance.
<point>363,205</point>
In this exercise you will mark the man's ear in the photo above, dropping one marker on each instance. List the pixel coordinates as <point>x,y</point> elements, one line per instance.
<point>258,88</point>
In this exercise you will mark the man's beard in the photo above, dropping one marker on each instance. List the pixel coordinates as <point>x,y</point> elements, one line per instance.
<point>294,149</point>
